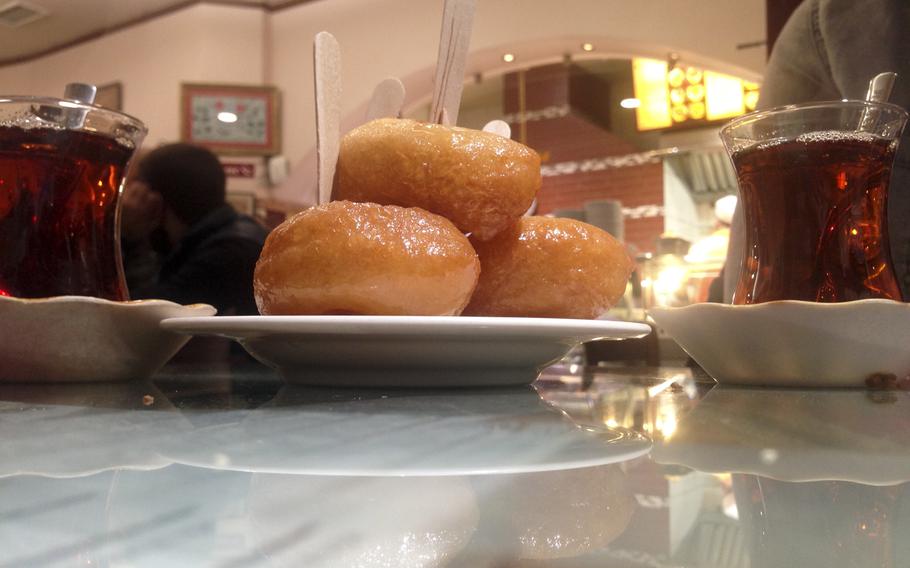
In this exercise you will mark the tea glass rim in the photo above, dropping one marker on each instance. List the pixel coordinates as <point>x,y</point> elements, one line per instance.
<point>758,115</point>
<point>77,105</point>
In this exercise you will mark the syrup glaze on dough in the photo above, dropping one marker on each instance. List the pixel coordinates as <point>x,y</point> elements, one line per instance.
<point>480,181</point>
<point>363,258</point>
<point>550,267</point>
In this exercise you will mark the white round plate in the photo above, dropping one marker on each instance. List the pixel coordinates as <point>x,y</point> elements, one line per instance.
<point>83,339</point>
<point>793,343</point>
<point>407,351</point>
<point>795,435</point>
<point>404,433</point>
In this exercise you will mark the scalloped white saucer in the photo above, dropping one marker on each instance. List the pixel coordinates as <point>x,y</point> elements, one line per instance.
<point>793,343</point>
<point>408,351</point>
<point>83,339</point>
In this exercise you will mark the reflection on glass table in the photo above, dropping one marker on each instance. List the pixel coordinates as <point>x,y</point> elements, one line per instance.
<point>234,468</point>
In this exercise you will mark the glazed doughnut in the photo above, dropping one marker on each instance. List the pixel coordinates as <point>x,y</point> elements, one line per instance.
<point>480,181</point>
<point>549,267</point>
<point>363,258</point>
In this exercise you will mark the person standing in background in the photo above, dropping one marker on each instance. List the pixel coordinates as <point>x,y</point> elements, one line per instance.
<point>830,50</point>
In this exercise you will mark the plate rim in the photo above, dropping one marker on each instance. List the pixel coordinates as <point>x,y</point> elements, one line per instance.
<point>626,449</point>
<point>242,326</point>
<point>606,459</point>
<point>783,304</point>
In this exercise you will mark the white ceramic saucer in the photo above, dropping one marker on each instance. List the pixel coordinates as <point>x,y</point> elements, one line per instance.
<point>792,343</point>
<point>82,339</point>
<point>407,351</point>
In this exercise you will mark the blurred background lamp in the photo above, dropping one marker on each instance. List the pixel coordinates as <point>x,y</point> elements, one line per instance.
<point>725,96</point>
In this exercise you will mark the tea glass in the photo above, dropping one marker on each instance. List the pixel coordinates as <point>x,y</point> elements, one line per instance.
<point>813,181</point>
<point>62,165</point>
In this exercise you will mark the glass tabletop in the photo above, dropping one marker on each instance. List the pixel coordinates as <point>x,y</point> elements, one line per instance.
<point>590,466</point>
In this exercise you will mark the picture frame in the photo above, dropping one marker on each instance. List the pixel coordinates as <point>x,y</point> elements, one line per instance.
<point>231,119</point>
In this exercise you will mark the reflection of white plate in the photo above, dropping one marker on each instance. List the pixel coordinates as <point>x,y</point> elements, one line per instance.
<point>427,433</point>
<point>79,339</point>
<point>796,435</point>
<point>790,343</point>
<point>407,350</point>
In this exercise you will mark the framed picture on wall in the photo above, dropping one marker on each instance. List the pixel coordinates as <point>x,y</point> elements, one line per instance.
<point>231,119</point>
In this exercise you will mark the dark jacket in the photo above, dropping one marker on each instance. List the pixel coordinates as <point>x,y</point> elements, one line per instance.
<point>212,264</point>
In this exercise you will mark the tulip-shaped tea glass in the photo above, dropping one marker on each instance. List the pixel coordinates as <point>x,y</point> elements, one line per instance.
<point>62,164</point>
<point>813,182</point>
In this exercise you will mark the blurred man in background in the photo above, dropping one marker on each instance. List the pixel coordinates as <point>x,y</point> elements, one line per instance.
<point>181,240</point>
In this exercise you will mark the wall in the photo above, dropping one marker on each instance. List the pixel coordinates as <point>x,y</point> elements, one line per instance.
<point>239,44</point>
<point>576,138</point>
<point>201,44</point>
<point>405,32</point>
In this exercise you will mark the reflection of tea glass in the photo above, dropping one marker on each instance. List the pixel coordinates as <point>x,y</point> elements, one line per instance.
<point>62,163</point>
<point>813,182</point>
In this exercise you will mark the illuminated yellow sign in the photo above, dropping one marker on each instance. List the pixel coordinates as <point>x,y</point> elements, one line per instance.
<point>650,82</point>
<point>672,94</point>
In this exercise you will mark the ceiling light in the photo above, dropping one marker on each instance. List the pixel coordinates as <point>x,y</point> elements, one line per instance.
<point>630,103</point>
<point>587,46</point>
<point>508,57</point>
<point>228,117</point>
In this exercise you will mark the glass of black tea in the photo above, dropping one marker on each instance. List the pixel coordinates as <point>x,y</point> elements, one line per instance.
<point>813,184</point>
<point>62,164</point>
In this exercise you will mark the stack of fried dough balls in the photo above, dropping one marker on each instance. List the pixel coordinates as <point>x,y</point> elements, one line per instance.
<point>395,243</point>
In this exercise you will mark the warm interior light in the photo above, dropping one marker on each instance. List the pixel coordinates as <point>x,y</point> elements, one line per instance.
<point>649,77</point>
<point>670,279</point>
<point>630,103</point>
<point>725,96</point>
<point>693,75</point>
<point>751,100</point>
<point>695,93</point>
<point>697,110</point>
<point>676,77</point>
<point>587,46</point>
<point>673,94</point>
<point>677,96</point>
<point>228,117</point>
<point>508,57</point>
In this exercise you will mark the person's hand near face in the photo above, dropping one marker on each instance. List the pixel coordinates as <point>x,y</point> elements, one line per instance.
<point>141,211</point>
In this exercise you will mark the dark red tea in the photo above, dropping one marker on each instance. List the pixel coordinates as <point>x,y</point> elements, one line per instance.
<point>58,205</point>
<point>817,224</point>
